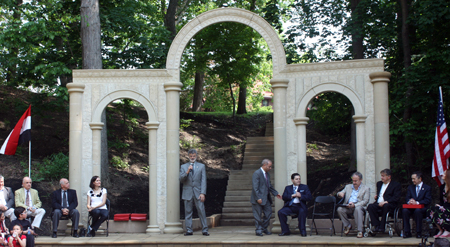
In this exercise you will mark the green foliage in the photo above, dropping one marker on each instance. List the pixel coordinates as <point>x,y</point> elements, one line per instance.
<point>119,163</point>
<point>52,168</point>
<point>185,123</point>
<point>331,113</point>
<point>194,143</point>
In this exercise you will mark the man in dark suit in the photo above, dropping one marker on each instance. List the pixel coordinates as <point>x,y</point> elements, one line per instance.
<point>193,178</point>
<point>417,193</point>
<point>386,200</point>
<point>6,200</point>
<point>64,202</point>
<point>295,197</point>
<point>261,199</point>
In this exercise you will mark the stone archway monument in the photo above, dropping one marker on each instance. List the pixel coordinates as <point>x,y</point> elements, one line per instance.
<point>364,82</point>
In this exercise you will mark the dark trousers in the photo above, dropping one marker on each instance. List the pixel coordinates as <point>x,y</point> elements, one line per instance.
<point>30,240</point>
<point>375,211</point>
<point>418,214</point>
<point>74,215</point>
<point>288,210</point>
<point>98,217</point>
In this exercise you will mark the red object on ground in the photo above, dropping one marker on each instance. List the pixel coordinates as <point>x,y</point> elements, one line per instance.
<point>138,217</point>
<point>122,217</point>
<point>413,206</point>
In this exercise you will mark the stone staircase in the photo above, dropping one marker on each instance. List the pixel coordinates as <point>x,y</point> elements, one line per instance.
<point>237,209</point>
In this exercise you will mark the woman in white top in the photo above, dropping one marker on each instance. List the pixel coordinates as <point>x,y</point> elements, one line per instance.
<point>96,205</point>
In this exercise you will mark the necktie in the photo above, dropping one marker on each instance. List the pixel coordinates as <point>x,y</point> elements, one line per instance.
<point>192,169</point>
<point>417,190</point>
<point>27,199</point>
<point>295,189</point>
<point>64,205</point>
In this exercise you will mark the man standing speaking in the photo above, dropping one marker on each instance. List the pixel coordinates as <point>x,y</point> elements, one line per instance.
<point>193,178</point>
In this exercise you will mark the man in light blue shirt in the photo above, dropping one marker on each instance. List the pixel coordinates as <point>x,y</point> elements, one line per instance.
<point>356,198</point>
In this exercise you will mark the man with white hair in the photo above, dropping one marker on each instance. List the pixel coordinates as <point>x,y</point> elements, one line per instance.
<point>6,200</point>
<point>28,198</point>
<point>65,202</point>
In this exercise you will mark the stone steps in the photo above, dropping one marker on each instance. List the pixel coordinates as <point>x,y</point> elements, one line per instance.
<point>237,209</point>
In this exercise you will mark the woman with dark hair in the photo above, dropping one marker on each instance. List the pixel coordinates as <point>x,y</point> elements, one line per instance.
<point>96,205</point>
<point>21,214</point>
<point>440,213</point>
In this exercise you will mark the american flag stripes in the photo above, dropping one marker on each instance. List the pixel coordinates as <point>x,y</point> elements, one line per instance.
<point>441,144</point>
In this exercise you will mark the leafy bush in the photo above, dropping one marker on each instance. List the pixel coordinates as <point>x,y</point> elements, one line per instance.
<point>119,163</point>
<point>53,167</point>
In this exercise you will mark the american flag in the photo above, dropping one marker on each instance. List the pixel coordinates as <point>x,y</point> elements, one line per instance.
<point>441,144</point>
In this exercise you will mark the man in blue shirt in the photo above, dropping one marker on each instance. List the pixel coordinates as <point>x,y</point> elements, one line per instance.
<point>356,199</point>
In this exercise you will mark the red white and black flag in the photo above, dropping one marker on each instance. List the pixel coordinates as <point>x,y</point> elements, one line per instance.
<point>441,145</point>
<point>20,134</point>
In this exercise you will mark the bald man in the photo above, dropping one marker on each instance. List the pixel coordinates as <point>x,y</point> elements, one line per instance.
<point>64,202</point>
<point>28,198</point>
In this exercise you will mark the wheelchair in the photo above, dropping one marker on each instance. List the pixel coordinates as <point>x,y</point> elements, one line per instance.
<point>394,223</point>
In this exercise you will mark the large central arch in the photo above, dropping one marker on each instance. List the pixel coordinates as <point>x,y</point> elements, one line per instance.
<point>364,82</point>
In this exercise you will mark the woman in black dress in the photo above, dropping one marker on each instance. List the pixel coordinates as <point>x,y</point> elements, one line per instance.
<point>440,213</point>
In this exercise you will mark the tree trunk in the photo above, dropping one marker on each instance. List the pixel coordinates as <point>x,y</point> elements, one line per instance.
<point>357,35</point>
<point>11,70</point>
<point>90,34</point>
<point>241,109</point>
<point>233,99</point>
<point>198,91</point>
<point>406,45</point>
<point>169,18</point>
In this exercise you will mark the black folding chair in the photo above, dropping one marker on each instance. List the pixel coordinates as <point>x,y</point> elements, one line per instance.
<point>330,209</point>
<point>108,207</point>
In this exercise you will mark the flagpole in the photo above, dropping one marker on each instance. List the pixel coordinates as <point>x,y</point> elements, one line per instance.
<point>29,159</point>
<point>440,92</point>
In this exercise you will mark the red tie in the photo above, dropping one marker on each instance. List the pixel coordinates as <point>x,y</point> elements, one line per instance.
<point>27,199</point>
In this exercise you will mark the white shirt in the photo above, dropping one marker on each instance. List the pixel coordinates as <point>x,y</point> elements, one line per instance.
<point>2,196</point>
<point>67,197</point>
<point>296,200</point>
<point>264,172</point>
<point>383,189</point>
<point>96,200</point>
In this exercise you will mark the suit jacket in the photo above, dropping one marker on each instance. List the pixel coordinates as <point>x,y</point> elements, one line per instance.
<point>20,196</point>
<point>392,192</point>
<point>260,189</point>
<point>193,184</point>
<point>304,191</point>
<point>71,198</point>
<point>363,195</point>
<point>9,197</point>
<point>424,194</point>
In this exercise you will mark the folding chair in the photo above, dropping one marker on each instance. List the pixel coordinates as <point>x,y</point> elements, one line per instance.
<point>323,200</point>
<point>108,207</point>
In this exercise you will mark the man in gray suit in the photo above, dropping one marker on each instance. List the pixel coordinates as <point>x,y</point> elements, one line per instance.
<point>357,197</point>
<point>6,200</point>
<point>261,199</point>
<point>193,178</point>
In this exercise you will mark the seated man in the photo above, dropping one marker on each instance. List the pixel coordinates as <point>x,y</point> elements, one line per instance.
<point>386,200</point>
<point>295,197</point>
<point>6,200</point>
<point>417,193</point>
<point>64,202</point>
<point>357,197</point>
<point>28,198</point>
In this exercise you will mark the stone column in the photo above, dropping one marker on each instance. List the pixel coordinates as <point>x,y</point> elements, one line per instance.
<point>173,223</point>
<point>153,226</point>
<point>75,130</point>
<point>96,148</point>
<point>279,135</point>
<point>380,82</point>
<point>301,123</point>
<point>360,122</point>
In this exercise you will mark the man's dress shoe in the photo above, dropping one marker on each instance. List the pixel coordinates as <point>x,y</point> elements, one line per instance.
<point>303,234</point>
<point>54,235</point>
<point>267,232</point>
<point>259,234</point>
<point>407,235</point>
<point>188,234</point>
<point>284,234</point>
<point>75,234</point>
<point>418,235</point>
<point>205,233</point>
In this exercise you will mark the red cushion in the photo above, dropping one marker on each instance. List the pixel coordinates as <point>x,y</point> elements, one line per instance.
<point>413,206</point>
<point>138,217</point>
<point>122,217</point>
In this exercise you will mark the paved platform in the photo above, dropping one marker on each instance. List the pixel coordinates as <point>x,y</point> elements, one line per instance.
<point>225,236</point>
